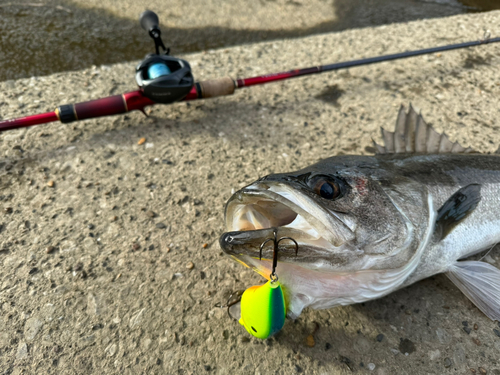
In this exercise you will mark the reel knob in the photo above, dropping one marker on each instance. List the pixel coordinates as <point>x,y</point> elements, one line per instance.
<point>149,21</point>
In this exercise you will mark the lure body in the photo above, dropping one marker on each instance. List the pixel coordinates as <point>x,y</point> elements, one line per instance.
<point>263,309</point>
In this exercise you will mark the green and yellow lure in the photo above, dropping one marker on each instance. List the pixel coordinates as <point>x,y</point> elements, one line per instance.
<point>263,309</point>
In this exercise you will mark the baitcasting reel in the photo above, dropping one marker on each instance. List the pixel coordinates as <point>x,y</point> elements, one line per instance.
<point>162,78</point>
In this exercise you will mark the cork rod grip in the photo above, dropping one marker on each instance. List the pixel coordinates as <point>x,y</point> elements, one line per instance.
<point>217,87</point>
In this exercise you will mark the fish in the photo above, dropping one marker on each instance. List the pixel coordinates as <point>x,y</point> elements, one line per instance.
<point>367,225</point>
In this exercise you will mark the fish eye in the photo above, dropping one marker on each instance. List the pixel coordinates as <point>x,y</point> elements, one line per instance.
<point>327,188</point>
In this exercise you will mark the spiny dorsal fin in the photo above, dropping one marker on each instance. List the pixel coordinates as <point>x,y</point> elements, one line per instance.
<point>413,135</point>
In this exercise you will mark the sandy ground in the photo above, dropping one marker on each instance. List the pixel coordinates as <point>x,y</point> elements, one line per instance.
<point>98,233</point>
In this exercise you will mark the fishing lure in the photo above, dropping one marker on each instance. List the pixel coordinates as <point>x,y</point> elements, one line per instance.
<point>263,307</point>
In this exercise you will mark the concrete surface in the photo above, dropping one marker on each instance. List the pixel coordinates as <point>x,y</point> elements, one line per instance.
<point>98,232</point>
<point>40,37</point>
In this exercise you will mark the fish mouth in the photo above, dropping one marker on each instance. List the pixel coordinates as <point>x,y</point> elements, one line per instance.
<point>255,212</point>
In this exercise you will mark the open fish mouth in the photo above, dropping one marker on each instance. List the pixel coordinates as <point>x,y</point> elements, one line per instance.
<point>255,212</point>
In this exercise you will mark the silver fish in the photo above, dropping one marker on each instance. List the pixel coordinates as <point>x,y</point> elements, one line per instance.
<point>369,225</point>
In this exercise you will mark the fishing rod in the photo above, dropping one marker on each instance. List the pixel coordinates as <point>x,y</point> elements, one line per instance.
<point>164,79</point>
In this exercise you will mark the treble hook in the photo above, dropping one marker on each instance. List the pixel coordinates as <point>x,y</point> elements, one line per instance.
<point>276,242</point>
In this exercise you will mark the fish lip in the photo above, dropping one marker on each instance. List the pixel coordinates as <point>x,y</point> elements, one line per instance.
<point>249,241</point>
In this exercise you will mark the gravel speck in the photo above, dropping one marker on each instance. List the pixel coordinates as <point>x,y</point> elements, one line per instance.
<point>482,371</point>
<point>151,214</point>
<point>160,226</point>
<point>50,249</point>
<point>476,341</point>
<point>371,366</point>
<point>380,337</point>
<point>447,362</point>
<point>22,351</point>
<point>50,183</point>
<point>467,330</point>
<point>190,265</point>
<point>8,210</point>
<point>310,341</point>
<point>497,332</point>
<point>141,141</point>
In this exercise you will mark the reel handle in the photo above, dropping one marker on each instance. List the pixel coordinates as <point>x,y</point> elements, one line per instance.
<point>149,21</point>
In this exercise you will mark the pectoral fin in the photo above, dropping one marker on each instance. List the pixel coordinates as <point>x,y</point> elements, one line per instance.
<point>480,282</point>
<point>455,209</point>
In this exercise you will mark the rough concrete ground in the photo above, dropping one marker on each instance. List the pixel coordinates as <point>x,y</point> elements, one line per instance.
<point>48,36</point>
<point>98,232</point>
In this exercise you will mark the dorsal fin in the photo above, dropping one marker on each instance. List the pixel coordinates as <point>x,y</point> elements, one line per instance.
<point>413,135</point>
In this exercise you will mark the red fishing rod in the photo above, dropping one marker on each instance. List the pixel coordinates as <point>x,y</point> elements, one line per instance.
<point>164,79</point>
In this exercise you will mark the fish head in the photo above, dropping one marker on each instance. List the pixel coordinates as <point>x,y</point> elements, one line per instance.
<point>345,213</point>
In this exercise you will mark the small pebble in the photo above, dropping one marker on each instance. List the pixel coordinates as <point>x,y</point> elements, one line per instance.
<point>371,366</point>
<point>310,341</point>
<point>160,226</point>
<point>150,214</point>
<point>447,362</point>
<point>205,245</point>
<point>472,370</point>
<point>497,332</point>
<point>482,371</point>
<point>328,346</point>
<point>380,337</point>
<point>141,141</point>
<point>50,249</point>
<point>167,250</point>
<point>476,327</point>
<point>476,341</point>
<point>190,265</point>
<point>90,226</point>
<point>78,267</point>
<point>114,218</point>
<point>467,330</point>
<point>50,183</point>
<point>8,210</point>
<point>136,246</point>
<point>465,323</point>
<point>245,339</point>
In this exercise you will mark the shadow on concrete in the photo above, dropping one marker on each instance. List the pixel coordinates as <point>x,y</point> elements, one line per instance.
<point>43,38</point>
